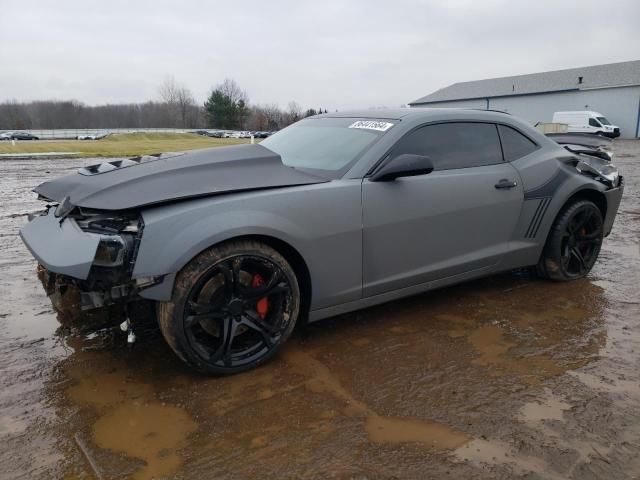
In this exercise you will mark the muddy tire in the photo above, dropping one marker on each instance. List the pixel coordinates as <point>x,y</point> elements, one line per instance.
<point>233,307</point>
<point>573,243</point>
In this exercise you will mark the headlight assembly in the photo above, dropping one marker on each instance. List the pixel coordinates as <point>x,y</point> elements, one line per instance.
<point>111,251</point>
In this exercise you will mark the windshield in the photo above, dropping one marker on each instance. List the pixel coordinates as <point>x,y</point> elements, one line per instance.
<point>330,145</point>
<point>603,121</point>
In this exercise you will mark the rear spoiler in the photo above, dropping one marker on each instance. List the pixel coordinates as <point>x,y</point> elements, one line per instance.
<point>586,143</point>
<point>584,139</point>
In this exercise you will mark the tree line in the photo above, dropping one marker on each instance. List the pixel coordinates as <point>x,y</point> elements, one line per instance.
<point>227,107</point>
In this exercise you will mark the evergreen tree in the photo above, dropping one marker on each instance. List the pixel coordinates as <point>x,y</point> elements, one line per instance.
<point>226,106</point>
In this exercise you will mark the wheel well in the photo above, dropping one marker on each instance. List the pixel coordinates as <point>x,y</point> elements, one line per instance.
<point>592,195</point>
<point>296,261</point>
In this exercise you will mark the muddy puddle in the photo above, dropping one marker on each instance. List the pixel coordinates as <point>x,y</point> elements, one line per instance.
<point>505,377</point>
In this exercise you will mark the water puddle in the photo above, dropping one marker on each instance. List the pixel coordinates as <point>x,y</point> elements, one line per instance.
<point>504,354</point>
<point>489,342</point>
<point>549,407</point>
<point>104,389</point>
<point>380,429</point>
<point>150,431</point>
<point>481,451</point>
<point>433,435</point>
<point>131,421</point>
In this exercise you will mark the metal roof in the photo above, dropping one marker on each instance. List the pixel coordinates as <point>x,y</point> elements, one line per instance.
<point>584,78</point>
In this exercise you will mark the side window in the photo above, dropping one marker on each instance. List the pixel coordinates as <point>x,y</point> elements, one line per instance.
<point>594,123</point>
<point>454,145</point>
<point>514,144</point>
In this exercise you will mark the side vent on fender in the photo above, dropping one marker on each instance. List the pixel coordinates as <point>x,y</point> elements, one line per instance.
<point>538,215</point>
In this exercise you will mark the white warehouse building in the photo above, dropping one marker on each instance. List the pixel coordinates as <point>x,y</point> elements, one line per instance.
<point>612,89</point>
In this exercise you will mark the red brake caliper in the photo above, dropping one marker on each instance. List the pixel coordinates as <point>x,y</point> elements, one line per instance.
<point>262,306</point>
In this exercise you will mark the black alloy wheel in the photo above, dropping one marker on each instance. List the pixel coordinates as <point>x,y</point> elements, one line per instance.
<point>574,242</point>
<point>235,309</point>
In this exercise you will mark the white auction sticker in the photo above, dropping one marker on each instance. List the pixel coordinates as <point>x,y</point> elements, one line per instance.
<point>372,125</point>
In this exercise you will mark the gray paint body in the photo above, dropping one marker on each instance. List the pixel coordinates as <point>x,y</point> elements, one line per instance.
<point>194,174</point>
<point>368,242</point>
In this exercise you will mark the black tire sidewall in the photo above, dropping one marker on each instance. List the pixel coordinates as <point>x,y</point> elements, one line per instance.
<point>170,314</point>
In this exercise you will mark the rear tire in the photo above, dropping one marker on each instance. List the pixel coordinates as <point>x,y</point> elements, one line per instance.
<point>573,243</point>
<point>233,307</point>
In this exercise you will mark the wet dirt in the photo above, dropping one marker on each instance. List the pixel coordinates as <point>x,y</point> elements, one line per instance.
<point>504,377</point>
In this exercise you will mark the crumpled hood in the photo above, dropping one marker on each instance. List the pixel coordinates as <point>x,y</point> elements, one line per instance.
<point>139,182</point>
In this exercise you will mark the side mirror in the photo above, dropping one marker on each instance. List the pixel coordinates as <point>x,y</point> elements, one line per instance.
<point>405,165</point>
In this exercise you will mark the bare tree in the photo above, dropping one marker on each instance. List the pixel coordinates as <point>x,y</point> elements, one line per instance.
<point>230,88</point>
<point>293,114</point>
<point>257,119</point>
<point>175,107</point>
<point>168,90</point>
<point>180,101</point>
<point>273,116</point>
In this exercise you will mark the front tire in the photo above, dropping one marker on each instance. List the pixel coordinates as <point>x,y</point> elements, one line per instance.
<point>232,308</point>
<point>573,243</point>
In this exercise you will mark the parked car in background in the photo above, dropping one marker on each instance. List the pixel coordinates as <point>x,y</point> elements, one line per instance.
<point>23,136</point>
<point>587,122</point>
<point>6,135</point>
<point>334,213</point>
<point>218,134</point>
<point>94,136</point>
<point>201,132</point>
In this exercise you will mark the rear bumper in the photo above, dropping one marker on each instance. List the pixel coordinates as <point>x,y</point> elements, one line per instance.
<point>613,196</point>
<point>61,247</point>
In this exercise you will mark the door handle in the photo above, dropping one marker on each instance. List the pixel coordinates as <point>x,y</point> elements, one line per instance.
<point>504,183</point>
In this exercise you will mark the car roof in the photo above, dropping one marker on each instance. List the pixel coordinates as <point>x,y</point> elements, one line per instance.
<point>416,113</point>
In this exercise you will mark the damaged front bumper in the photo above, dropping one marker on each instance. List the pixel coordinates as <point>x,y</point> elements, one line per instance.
<point>60,246</point>
<point>91,252</point>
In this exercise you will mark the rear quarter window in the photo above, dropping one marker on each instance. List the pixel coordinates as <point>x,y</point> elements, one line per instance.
<point>514,144</point>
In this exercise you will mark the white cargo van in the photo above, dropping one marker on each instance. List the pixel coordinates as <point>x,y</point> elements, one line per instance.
<point>587,122</point>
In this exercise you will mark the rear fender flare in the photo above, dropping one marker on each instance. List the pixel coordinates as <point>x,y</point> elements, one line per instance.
<point>573,188</point>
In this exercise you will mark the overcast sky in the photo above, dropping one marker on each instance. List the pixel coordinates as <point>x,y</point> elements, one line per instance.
<point>333,54</point>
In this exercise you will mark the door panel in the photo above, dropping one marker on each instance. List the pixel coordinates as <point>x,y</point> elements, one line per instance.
<point>428,227</point>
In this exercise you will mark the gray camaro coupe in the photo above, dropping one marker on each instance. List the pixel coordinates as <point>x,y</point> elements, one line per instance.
<point>337,212</point>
